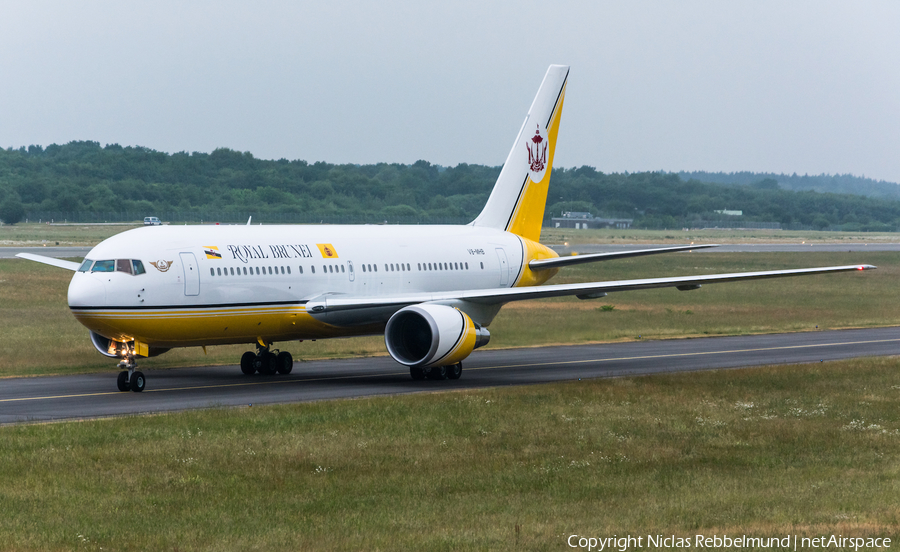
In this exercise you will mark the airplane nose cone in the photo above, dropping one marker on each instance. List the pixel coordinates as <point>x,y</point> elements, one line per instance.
<point>86,290</point>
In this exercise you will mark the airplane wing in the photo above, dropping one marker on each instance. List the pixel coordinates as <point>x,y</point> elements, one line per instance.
<point>557,262</point>
<point>68,265</point>
<point>336,303</point>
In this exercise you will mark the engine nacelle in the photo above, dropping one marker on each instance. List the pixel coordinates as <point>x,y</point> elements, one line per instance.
<point>118,349</point>
<point>426,335</point>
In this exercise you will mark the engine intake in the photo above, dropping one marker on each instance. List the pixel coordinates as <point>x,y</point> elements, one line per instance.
<point>426,335</point>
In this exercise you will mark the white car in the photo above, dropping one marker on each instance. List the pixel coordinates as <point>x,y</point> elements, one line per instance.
<point>151,221</point>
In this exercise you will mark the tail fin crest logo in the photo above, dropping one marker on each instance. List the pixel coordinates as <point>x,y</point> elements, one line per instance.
<point>537,154</point>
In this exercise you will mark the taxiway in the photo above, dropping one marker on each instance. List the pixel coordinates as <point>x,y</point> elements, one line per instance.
<point>95,395</point>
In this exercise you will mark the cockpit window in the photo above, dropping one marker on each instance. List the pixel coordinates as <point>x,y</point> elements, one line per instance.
<point>123,265</point>
<point>128,266</point>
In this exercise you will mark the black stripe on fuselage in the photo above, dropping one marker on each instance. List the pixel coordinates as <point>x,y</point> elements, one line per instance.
<point>182,307</point>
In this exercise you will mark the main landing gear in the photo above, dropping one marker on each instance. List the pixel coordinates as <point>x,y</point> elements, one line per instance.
<point>266,362</point>
<point>130,379</point>
<point>453,372</point>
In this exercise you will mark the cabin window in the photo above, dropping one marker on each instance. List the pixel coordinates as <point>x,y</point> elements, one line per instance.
<point>289,270</point>
<point>245,271</point>
<point>376,268</point>
<point>282,270</point>
<point>219,270</point>
<point>342,268</point>
<point>331,268</point>
<point>467,266</point>
<point>313,268</point>
<point>232,271</point>
<point>482,266</point>
<point>419,265</point>
<point>212,271</point>
<point>300,268</point>
<point>408,267</point>
<point>270,271</point>
<point>363,268</point>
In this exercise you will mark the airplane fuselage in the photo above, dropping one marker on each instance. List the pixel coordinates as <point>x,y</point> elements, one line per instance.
<point>206,285</point>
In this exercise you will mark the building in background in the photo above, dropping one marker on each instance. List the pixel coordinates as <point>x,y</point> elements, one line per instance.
<point>583,221</point>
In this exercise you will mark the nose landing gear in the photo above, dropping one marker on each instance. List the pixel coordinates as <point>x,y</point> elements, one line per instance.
<point>130,379</point>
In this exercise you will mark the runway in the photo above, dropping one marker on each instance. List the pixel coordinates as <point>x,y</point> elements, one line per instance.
<point>95,395</point>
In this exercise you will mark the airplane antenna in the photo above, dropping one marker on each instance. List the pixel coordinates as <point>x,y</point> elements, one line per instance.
<point>249,219</point>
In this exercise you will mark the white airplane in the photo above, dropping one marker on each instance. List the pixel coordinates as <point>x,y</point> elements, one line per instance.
<point>431,290</point>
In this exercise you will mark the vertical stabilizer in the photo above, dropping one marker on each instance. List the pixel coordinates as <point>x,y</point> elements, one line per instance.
<point>519,196</point>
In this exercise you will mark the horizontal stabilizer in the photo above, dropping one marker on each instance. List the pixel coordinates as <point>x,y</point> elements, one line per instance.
<point>59,263</point>
<point>558,262</point>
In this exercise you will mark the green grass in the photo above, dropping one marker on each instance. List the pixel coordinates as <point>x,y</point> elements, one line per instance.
<point>40,336</point>
<point>805,450</point>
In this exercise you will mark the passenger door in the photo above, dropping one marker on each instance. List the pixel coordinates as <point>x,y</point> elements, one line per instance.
<point>191,274</point>
<point>504,266</point>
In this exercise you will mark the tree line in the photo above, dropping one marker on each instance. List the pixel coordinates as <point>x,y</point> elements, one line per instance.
<point>84,176</point>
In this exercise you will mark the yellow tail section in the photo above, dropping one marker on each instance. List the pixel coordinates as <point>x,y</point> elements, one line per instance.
<point>517,202</point>
<point>528,216</point>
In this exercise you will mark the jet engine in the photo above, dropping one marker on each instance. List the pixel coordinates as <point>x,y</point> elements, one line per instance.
<point>117,349</point>
<point>420,336</point>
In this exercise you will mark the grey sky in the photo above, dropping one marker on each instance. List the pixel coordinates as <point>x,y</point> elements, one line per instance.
<point>806,87</point>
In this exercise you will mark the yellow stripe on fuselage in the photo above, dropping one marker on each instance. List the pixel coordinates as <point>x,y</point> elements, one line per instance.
<point>210,326</point>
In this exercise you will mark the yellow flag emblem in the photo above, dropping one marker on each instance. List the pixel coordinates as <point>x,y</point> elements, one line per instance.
<point>327,250</point>
<point>212,252</point>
